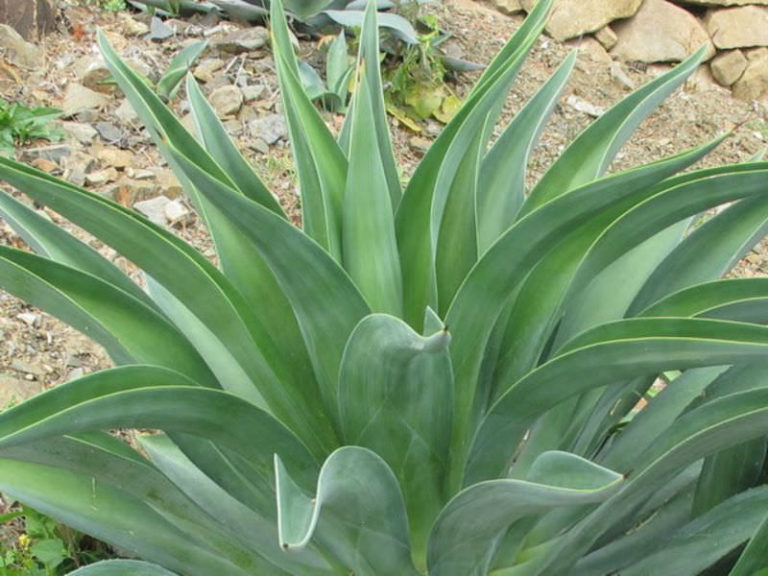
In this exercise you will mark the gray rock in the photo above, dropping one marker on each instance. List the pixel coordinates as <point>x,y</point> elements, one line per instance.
<point>607,37</point>
<point>242,40</point>
<point>205,70</point>
<point>177,213</point>
<point>101,177</point>
<point>125,113</point>
<point>226,100</point>
<point>54,153</point>
<point>728,67</point>
<point>78,98</point>
<point>154,209</point>
<point>255,92</point>
<point>83,133</point>
<point>109,132</point>
<point>159,31</point>
<point>133,27</point>
<point>17,50</point>
<point>572,18</point>
<point>753,84</point>
<point>581,105</point>
<point>270,129</point>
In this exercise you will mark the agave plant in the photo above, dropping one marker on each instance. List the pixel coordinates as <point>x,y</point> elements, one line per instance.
<point>438,380</point>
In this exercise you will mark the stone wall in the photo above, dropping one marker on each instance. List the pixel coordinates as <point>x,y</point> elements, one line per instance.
<point>735,33</point>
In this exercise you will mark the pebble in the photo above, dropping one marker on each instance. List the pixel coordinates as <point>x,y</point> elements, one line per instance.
<point>54,153</point>
<point>115,157</point>
<point>78,98</point>
<point>226,100</point>
<point>254,92</point>
<point>92,72</point>
<point>101,177</point>
<point>83,133</point>
<point>125,113</point>
<point>205,70</point>
<point>270,129</point>
<point>109,132</point>
<point>29,318</point>
<point>242,40</point>
<point>154,209</point>
<point>177,213</point>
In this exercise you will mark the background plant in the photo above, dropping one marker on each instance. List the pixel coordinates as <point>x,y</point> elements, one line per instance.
<point>438,379</point>
<point>20,125</point>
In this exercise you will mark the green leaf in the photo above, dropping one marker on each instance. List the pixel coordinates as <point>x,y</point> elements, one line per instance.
<point>369,245</point>
<point>395,398</point>
<point>129,330</point>
<point>706,298</point>
<point>122,568</point>
<point>169,83</point>
<point>394,23</point>
<point>464,537</point>
<point>320,162</point>
<point>753,561</point>
<point>590,155</point>
<point>358,508</point>
<point>501,190</point>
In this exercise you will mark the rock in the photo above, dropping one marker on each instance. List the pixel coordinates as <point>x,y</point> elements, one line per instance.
<point>92,72</point>
<point>226,100</point>
<point>101,177</point>
<point>258,145</point>
<point>17,50</point>
<point>726,2</point>
<point>572,18</point>
<point>159,31</point>
<point>132,27</point>
<point>153,209</point>
<point>78,98</point>
<point>591,49</point>
<point>753,84</point>
<point>253,92</point>
<point>507,6</point>
<point>242,40</point>
<point>115,157</point>
<point>741,27</point>
<point>125,113</point>
<point>139,174</point>
<point>14,390</point>
<point>30,18</point>
<point>581,105</point>
<point>607,37</point>
<point>204,71</point>
<point>167,182</point>
<point>109,132</point>
<point>29,318</point>
<point>45,165</point>
<point>83,133</point>
<point>660,32</point>
<point>127,191</point>
<point>270,129</point>
<point>54,153</point>
<point>728,67</point>
<point>177,213</point>
<point>618,73</point>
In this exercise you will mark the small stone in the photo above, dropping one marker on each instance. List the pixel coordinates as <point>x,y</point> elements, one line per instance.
<point>75,374</point>
<point>78,98</point>
<point>253,92</point>
<point>420,144</point>
<point>101,177</point>
<point>53,153</point>
<point>226,100</point>
<point>125,113</point>
<point>243,40</point>
<point>607,37</point>
<point>728,67</point>
<point>738,27</point>
<point>139,174</point>
<point>83,133</point>
<point>753,84</point>
<point>508,6</point>
<point>159,31</point>
<point>617,72</point>
<point>127,191</point>
<point>581,105</point>
<point>115,157</point>
<point>167,182</point>
<point>205,70</point>
<point>153,209</point>
<point>591,49</point>
<point>26,368</point>
<point>109,132</point>
<point>29,318</point>
<point>133,27</point>
<point>45,165</point>
<point>18,51</point>
<point>177,213</point>
<point>572,18</point>
<point>258,145</point>
<point>271,128</point>
<point>92,72</point>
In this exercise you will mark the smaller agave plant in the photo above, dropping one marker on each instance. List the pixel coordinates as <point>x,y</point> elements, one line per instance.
<point>438,380</point>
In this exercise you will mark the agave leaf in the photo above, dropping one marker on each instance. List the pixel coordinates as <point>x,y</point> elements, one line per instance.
<point>53,242</point>
<point>87,477</point>
<point>358,514</point>
<point>313,282</point>
<point>169,83</point>
<point>320,162</point>
<point>304,9</point>
<point>244,525</point>
<point>394,23</point>
<point>753,561</point>
<point>219,145</point>
<point>715,426</point>
<point>502,269</point>
<point>122,568</point>
<point>421,209</point>
<point>501,190</point>
<point>370,248</point>
<point>337,62</point>
<point>130,331</point>
<point>617,351</point>
<point>395,399</point>
<point>590,155</point>
<point>464,537</point>
<point>709,252</point>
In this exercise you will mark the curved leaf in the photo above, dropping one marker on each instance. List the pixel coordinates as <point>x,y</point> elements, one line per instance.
<point>122,568</point>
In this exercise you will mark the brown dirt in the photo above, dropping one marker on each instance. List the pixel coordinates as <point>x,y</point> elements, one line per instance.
<point>37,352</point>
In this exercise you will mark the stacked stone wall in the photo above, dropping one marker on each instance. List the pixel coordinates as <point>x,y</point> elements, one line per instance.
<point>735,33</point>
